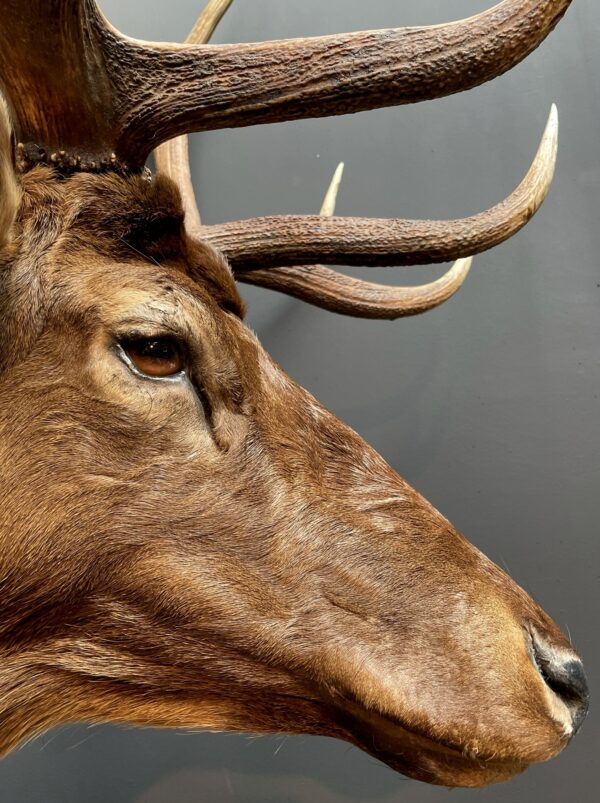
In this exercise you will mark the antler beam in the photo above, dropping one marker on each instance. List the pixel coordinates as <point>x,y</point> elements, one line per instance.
<point>103,93</point>
<point>209,87</point>
<point>279,241</point>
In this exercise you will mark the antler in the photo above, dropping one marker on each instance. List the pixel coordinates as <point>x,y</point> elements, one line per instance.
<point>173,157</point>
<point>92,96</point>
<point>342,294</point>
<point>93,99</point>
<point>253,246</point>
<point>315,284</point>
<point>285,240</point>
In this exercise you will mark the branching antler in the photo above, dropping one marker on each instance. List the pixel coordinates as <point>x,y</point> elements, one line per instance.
<point>285,240</point>
<point>315,284</point>
<point>338,293</point>
<point>94,99</point>
<point>264,251</point>
<point>103,93</point>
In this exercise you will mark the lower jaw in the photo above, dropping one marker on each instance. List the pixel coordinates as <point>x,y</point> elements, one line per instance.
<point>440,768</point>
<point>424,759</point>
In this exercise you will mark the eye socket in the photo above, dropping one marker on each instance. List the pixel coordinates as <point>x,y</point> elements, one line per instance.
<point>157,357</point>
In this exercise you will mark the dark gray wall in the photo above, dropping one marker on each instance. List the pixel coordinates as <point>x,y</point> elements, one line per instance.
<point>488,405</point>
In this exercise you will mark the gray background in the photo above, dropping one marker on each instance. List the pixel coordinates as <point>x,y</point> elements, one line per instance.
<point>489,405</point>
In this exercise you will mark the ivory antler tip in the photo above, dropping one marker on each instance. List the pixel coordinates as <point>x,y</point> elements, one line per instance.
<point>462,267</point>
<point>553,124</point>
<point>550,138</point>
<point>330,200</point>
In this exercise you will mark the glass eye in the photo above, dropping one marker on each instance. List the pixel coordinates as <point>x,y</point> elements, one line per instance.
<point>156,357</point>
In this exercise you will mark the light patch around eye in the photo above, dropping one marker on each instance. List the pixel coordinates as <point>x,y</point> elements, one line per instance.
<point>177,378</point>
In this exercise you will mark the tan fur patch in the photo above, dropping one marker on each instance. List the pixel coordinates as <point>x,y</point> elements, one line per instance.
<point>9,191</point>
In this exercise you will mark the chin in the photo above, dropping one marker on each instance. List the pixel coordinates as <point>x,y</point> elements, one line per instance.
<point>422,758</point>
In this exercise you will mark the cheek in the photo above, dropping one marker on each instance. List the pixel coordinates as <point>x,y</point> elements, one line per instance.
<point>188,432</point>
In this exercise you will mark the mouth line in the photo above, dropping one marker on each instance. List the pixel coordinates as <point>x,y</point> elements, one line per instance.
<point>404,746</point>
<point>411,751</point>
<point>433,760</point>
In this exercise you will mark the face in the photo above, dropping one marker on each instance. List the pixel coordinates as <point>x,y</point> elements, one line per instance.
<point>191,539</point>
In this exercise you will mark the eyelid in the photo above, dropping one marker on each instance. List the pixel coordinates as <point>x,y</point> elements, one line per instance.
<point>137,329</point>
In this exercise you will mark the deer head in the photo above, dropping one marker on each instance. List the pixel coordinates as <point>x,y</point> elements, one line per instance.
<point>188,538</point>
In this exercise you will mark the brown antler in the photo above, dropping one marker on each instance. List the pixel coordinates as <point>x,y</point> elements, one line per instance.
<point>287,240</point>
<point>315,284</point>
<point>335,292</point>
<point>109,99</point>
<point>173,157</point>
<point>276,242</point>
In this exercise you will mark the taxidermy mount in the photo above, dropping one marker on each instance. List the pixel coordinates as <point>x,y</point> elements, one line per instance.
<point>187,537</point>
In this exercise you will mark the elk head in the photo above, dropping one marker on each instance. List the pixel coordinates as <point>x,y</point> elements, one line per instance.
<point>188,538</point>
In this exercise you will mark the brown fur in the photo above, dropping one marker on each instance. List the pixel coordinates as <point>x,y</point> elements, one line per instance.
<point>224,553</point>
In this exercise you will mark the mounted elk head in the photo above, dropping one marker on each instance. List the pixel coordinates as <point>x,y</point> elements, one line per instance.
<point>188,538</point>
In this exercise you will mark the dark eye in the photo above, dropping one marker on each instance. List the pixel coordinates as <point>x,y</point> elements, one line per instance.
<point>155,356</point>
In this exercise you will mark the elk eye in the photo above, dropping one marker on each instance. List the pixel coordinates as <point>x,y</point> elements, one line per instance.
<point>157,357</point>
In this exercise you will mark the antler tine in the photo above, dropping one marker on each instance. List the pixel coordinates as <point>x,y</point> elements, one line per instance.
<point>331,196</point>
<point>172,157</point>
<point>279,241</point>
<point>104,93</point>
<point>335,292</point>
<point>207,22</point>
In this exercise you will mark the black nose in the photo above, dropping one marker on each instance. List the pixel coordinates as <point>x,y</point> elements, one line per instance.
<point>563,672</point>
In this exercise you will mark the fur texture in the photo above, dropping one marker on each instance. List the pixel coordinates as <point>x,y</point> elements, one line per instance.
<point>222,551</point>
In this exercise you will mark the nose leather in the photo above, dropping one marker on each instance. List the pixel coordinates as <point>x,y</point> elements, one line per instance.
<point>562,670</point>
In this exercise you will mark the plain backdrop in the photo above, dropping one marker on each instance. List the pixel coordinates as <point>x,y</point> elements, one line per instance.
<point>488,405</point>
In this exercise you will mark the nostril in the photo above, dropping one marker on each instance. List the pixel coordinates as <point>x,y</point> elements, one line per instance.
<point>567,680</point>
<point>562,670</point>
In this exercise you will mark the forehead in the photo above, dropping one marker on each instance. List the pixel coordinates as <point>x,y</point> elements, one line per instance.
<point>123,239</point>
